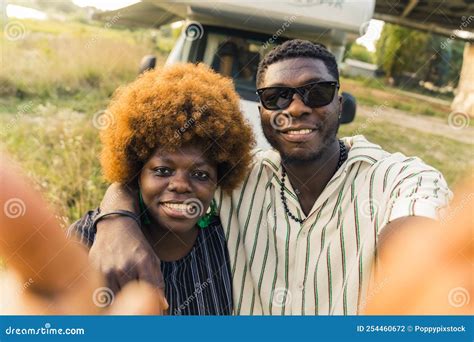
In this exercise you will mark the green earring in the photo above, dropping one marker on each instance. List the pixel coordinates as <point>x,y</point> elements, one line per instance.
<point>143,211</point>
<point>205,220</point>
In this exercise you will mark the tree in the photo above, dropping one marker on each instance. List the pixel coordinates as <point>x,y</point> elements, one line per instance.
<point>400,50</point>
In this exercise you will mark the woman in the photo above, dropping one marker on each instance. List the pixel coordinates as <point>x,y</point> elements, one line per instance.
<point>176,134</point>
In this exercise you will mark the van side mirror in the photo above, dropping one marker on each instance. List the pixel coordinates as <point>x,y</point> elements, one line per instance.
<point>148,62</point>
<point>349,105</point>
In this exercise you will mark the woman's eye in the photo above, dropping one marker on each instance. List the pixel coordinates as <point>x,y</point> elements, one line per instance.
<point>201,175</point>
<point>162,171</point>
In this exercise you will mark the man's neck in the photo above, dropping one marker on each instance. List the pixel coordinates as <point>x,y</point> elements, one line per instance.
<point>311,177</point>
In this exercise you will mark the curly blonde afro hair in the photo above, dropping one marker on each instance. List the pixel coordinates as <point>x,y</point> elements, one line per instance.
<point>173,106</point>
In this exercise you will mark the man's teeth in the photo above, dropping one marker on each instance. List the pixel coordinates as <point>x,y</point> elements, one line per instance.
<point>176,206</point>
<point>299,131</point>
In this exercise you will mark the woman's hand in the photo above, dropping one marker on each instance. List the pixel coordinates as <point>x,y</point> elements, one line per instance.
<point>120,249</point>
<point>48,274</point>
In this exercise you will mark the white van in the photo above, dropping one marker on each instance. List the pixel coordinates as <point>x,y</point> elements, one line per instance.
<point>233,36</point>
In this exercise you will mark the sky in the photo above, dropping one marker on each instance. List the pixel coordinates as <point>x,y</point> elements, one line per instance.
<point>368,40</point>
<point>372,35</point>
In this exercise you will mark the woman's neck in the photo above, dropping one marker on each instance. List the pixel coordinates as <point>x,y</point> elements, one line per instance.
<point>168,245</point>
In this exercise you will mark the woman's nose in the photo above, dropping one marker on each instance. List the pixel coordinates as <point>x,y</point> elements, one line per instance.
<point>179,183</point>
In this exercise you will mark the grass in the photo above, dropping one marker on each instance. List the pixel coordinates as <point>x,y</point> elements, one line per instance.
<point>52,59</point>
<point>58,147</point>
<point>374,92</point>
<point>452,158</point>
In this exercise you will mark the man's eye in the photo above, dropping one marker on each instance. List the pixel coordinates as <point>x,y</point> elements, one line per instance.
<point>201,175</point>
<point>162,171</point>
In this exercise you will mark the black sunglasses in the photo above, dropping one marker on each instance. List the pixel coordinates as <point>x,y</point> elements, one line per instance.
<point>314,95</point>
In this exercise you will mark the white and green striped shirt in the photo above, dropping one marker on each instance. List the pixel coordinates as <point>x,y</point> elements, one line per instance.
<point>323,265</point>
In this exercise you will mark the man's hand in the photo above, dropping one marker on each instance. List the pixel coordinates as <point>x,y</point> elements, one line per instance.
<point>48,274</point>
<point>424,266</point>
<point>120,249</point>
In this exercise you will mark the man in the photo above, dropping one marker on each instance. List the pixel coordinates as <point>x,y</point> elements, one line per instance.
<point>305,227</point>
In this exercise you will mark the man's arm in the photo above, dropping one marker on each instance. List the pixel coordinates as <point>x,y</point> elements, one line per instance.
<point>120,249</point>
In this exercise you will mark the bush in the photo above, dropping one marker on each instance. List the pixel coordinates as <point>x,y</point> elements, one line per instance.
<point>360,53</point>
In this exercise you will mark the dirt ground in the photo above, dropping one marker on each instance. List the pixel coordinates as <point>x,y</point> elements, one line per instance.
<point>453,130</point>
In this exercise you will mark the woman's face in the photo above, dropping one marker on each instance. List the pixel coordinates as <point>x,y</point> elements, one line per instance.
<point>178,187</point>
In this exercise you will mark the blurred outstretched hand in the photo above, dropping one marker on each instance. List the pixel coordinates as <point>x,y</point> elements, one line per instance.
<point>427,269</point>
<point>45,273</point>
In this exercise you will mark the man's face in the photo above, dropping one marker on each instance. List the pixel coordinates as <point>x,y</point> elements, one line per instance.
<point>298,132</point>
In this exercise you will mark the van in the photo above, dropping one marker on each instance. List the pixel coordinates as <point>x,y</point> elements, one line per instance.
<point>232,37</point>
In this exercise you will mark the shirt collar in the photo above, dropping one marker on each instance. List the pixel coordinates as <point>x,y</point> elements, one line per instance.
<point>361,150</point>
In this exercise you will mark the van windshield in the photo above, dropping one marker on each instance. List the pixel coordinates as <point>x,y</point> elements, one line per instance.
<point>236,56</point>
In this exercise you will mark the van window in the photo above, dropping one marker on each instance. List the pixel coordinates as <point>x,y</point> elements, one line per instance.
<point>237,57</point>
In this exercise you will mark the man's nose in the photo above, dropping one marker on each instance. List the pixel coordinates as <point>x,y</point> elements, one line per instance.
<point>297,107</point>
<point>179,183</point>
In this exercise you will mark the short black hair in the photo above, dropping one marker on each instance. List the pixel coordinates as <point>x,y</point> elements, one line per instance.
<point>298,48</point>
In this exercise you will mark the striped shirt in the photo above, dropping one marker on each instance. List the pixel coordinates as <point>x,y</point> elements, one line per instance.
<point>197,284</point>
<point>320,267</point>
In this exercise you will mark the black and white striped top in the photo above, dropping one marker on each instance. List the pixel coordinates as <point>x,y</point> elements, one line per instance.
<point>199,283</point>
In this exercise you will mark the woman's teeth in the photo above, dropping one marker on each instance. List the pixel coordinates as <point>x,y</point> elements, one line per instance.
<point>176,206</point>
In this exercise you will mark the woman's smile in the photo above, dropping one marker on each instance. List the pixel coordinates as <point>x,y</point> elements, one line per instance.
<point>177,210</point>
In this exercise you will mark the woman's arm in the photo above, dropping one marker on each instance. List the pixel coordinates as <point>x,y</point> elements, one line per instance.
<point>120,250</point>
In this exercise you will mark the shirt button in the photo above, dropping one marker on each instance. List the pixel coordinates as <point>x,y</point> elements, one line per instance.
<point>304,233</point>
<point>300,286</point>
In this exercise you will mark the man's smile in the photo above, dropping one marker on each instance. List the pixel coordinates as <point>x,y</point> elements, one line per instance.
<point>298,134</point>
